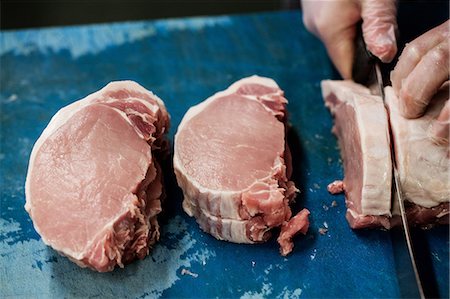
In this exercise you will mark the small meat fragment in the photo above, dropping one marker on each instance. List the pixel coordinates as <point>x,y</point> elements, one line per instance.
<point>334,204</point>
<point>336,187</point>
<point>298,223</point>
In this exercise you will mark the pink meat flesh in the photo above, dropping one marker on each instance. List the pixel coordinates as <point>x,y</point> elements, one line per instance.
<point>336,187</point>
<point>423,164</point>
<point>93,187</point>
<point>427,217</point>
<point>238,150</point>
<point>93,149</point>
<point>297,224</point>
<point>230,160</point>
<point>361,128</point>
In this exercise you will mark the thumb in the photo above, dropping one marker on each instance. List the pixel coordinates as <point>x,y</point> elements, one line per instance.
<point>340,48</point>
<point>334,23</point>
<point>379,27</point>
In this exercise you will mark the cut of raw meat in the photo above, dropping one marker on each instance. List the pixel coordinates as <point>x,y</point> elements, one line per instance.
<point>361,125</point>
<point>363,134</point>
<point>230,160</point>
<point>336,187</point>
<point>93,186</point>
<point>423,165</point>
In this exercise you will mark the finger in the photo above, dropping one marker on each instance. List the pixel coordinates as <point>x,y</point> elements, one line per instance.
<point>440,129</point>
<point>414,51</point>
<point>379,27</point>
<point>424,81</point>
<point>341,50</point>
<point>310,9</point>
<point>337,31</point>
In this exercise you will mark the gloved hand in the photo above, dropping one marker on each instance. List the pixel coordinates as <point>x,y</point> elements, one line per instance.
<point>334,22</point>
<point>421,70</point>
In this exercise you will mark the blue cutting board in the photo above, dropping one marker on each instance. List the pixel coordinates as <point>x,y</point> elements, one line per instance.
<point>184,61</point>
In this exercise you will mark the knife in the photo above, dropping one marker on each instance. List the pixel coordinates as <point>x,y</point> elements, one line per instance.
<point>366,70</point>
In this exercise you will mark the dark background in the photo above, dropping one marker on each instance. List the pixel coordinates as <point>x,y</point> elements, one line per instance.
<point>42,13</point>
<point>414,16</point>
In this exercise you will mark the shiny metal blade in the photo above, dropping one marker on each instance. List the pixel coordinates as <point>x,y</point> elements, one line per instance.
<point>397,191</point>
<point>399,197</point>
<point>379,88</point>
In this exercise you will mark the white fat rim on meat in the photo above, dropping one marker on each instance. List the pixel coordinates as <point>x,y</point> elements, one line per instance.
<point>227,208</point>
<point>232,229</point>
<point>58,120</point>
<point>372,192</point>
<point>331,86</point>
<point>194,110</point>
<point>226,205</point>
<point>345,92</point>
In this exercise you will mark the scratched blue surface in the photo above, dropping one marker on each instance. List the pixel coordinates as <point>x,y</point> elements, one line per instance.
<point>184,61</point>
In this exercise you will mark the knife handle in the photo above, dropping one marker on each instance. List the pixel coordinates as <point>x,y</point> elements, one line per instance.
<point>363,60</point>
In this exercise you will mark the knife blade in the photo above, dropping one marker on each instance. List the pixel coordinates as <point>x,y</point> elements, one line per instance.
<point>366,70</point>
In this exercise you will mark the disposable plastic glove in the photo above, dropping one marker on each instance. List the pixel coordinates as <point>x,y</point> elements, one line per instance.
<point>422,68</point>
<point>334,22</point>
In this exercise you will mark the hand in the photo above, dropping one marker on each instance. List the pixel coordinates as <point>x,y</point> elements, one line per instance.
<point>334,22</point>
<point>421,70</point>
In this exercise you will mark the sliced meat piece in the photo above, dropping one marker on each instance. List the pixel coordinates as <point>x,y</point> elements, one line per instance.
<point>423,165</point>
<point>93,187</point>
<point>363,136</point>
<point>230,160</point>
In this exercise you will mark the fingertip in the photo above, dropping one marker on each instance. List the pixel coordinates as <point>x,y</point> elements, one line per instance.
<point>383,44</point>
<point>379,28</point>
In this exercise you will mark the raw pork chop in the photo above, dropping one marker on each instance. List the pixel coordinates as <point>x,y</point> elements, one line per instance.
<point>423,165</point>
<point>363,135</point>
<point>94,186</point>
<point>230,160</point>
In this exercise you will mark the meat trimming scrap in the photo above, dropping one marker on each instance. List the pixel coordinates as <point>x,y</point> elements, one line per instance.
<point>94,184</point>
<point>233,164</point>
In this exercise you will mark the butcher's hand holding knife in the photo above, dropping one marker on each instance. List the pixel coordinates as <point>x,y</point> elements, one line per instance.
<point>422,68</point>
